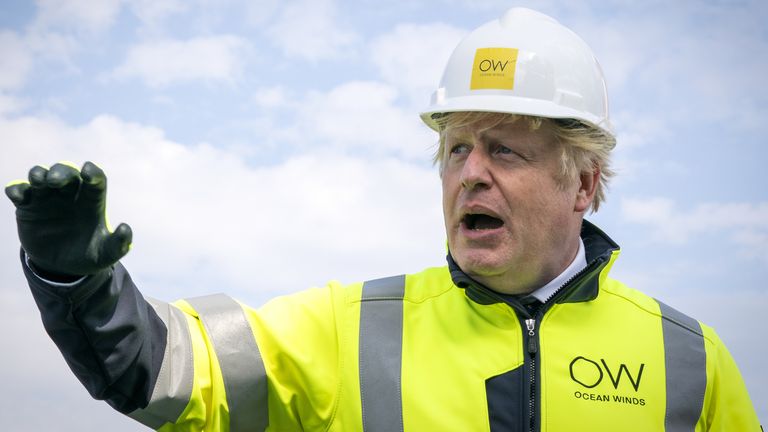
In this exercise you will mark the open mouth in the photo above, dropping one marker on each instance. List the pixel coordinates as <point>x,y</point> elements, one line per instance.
<point>481,222</point>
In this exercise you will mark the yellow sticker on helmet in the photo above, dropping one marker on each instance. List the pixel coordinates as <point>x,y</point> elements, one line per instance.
<point>494,68</point>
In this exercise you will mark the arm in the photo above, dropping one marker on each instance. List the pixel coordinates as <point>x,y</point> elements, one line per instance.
<point>169,367</point>
<point>134,354</point>
<point>727,404</point>
<point>191,366</point>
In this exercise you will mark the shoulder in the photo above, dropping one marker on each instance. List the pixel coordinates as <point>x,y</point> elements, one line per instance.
<point>428,284</point>
<point>336,296</point>
<point>645,304</point>
<point>412,287</point>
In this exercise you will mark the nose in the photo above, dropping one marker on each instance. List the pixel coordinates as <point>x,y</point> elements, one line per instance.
<point>475,173</point>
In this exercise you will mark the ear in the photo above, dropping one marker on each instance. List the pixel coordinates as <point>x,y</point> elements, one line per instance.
<point>588,181</point>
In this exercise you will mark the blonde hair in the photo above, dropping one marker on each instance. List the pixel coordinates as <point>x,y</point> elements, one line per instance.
<point>584,147</point>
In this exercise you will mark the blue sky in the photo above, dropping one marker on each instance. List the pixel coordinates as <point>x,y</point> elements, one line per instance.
<point>259,148</point>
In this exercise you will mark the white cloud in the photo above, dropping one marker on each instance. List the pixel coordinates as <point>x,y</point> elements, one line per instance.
<point>362,116</point>
<point>412,57</point>
<point>634,130</point>
<point>754,241</point>
<point>10,104</point>
<point>20,54</point>
<point>272,97</point>
<point>87,15</point>
<point>637,134</point>
<point>746,224</point>
<point>261,12</point>
<point>15,61</point>
<point>152,12</point>
<point>164,62</point>
<point>309,30</point>
<point>52,46</point>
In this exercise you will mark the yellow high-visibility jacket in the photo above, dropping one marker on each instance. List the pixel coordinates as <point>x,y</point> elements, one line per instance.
<point>432,351</point>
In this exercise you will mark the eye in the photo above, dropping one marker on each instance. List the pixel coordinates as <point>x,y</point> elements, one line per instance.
<point>459,149</point>
<point>508,152</point>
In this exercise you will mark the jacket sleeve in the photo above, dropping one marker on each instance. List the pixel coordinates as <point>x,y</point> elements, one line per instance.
<point>111,338</point>
<point>196,364</point>
<point>132,352</point>
<point>728,406</point>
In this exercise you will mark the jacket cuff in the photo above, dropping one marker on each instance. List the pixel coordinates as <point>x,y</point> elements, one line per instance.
<point>73,292</point>
<point>32,269</point>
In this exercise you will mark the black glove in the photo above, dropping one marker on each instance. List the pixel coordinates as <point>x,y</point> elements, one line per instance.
<point>62,220</point>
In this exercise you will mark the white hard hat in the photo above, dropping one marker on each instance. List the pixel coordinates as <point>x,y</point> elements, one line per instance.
<point>523,63</point>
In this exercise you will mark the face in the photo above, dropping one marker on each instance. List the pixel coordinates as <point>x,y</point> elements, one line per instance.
<point>510,224</point>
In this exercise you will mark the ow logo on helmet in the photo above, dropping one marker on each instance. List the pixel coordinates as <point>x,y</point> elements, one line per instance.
<point>589,373</point>
<point>494,68</point>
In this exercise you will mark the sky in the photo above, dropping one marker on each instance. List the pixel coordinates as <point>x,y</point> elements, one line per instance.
<point>260,148</point>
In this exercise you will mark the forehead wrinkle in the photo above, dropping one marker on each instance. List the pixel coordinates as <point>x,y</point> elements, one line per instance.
<point>480,125</point>
<point>538,139</point>
<point>482,135</point>
<point>499,135</point>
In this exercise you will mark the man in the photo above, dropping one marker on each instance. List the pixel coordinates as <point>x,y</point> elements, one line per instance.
<point>522,331</point>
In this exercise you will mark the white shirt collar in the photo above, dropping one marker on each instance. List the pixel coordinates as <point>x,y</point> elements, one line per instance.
<point>579,262</point>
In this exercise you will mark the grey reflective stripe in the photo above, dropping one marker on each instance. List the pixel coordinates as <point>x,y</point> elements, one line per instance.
<point>686,365</point>
<point>245,380</point>
<point>173,388</point>
<point>381,348</point>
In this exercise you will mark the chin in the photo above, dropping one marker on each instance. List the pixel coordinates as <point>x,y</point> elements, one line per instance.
<point>479,263</point>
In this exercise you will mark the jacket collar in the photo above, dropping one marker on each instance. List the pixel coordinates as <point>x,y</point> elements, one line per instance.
<point>582,287</point>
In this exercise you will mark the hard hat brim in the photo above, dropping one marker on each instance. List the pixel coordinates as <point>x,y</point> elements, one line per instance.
<point>518,105</point>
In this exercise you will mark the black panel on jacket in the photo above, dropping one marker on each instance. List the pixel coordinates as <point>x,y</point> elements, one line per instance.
<point>112,339</point>
<point>505,409</point>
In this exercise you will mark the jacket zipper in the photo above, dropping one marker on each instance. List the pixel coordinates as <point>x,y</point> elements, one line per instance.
<point>533,348</point>
<point>533,344</point>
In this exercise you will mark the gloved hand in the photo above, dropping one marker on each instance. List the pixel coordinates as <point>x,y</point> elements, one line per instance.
<point>62,220</point>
